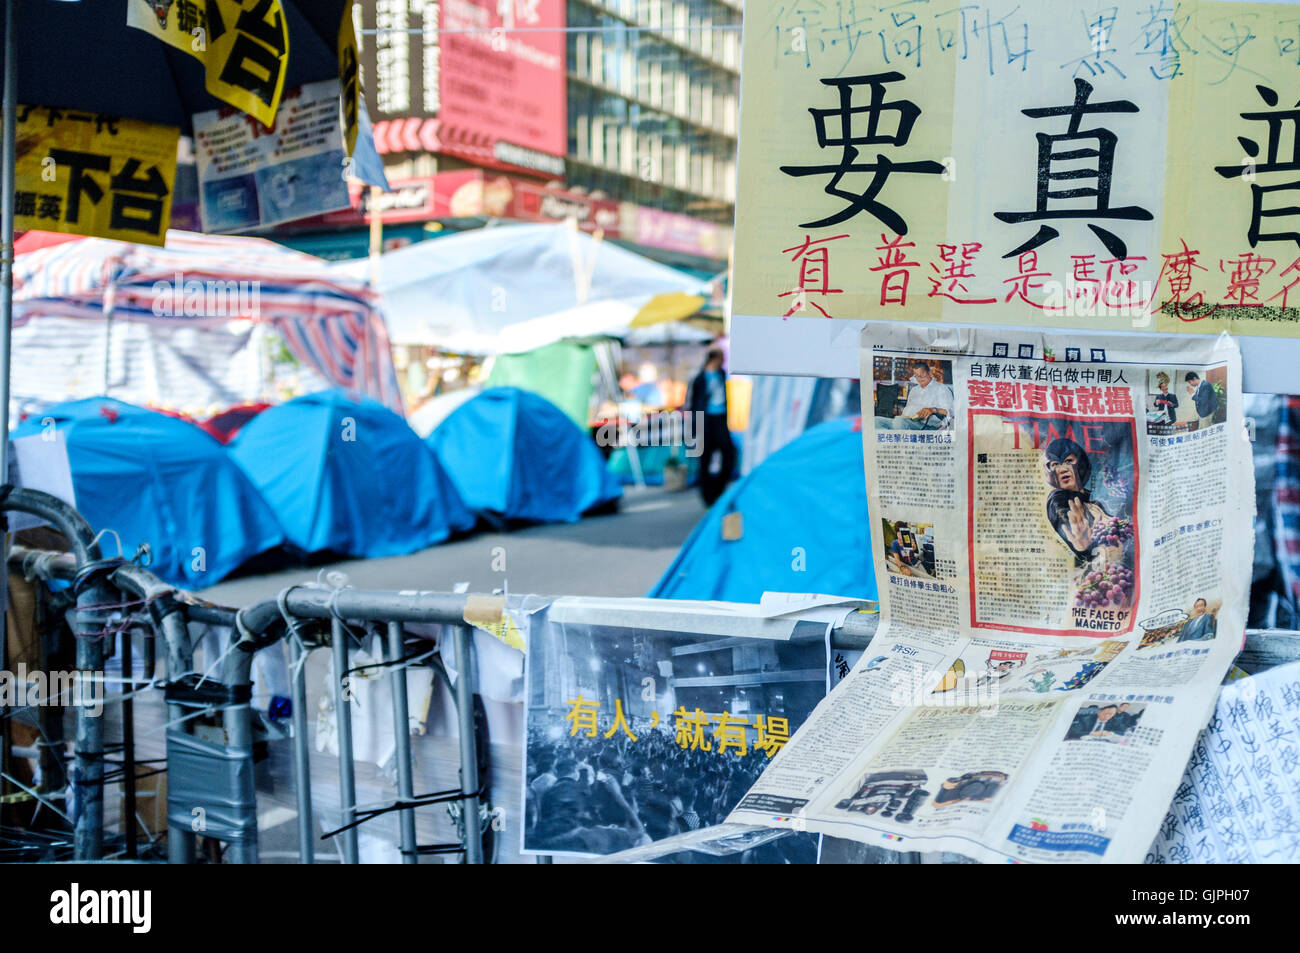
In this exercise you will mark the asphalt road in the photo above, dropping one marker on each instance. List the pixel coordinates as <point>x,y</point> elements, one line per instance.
<point>621,554</point>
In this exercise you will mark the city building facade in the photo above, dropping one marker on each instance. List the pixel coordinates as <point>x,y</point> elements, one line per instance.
<point>620,115</point>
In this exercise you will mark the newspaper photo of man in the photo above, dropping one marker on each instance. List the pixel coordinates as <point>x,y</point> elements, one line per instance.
<point>910,548</point>
<point>1101,540</point>
<point>913,395</point>
<point>1182,400</point>
<point>1112,722</point>
<point>1203,397</point>
<point>1201,625</point>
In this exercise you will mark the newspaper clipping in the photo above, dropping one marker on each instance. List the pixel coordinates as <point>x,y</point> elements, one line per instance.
<point>1063,530</point>
<point>636,734</point>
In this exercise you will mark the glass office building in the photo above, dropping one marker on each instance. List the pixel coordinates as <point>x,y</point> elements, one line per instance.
<point>653,91</point>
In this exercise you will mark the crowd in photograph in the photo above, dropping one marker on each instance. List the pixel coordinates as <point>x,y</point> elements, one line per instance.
<point>602,795</point>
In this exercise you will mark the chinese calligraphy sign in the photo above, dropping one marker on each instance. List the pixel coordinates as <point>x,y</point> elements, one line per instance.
<point>1136,168</point>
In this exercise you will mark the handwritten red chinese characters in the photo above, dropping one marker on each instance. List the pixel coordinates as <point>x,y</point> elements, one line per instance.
<point>814,273</point>
<point>893,261</point>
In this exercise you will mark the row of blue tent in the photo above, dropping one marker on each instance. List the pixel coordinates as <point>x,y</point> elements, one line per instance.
<point>802,527</point>
<point>327,473</point>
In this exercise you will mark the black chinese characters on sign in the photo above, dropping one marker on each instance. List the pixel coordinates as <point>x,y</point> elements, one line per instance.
<point>1053,203</point>
<point>1272,163</point>
<point>846,113</point>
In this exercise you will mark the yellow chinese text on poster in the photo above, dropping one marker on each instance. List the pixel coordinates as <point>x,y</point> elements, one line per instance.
<point>88,174</point>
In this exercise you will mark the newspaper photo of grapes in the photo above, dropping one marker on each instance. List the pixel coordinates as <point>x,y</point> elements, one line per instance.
<point>1091,513</point>
<point>1052,525</point>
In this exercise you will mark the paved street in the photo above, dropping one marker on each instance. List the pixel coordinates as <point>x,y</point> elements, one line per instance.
<point>622,554</point>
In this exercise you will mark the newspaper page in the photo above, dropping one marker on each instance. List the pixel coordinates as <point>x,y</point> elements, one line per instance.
<point>645,731</point>
<point>1063,529</point>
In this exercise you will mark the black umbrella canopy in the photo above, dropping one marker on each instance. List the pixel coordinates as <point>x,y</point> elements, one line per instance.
<point>80,54</point>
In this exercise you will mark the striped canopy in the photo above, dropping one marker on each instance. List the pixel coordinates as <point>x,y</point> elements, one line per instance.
<point>329,321</point>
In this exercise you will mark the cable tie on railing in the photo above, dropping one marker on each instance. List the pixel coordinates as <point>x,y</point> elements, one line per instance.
<point>95,542</point>
<point>195,714</point>
<point>222,657</point>
<point>282,603</point>
<point>244,634</point>
<point>405,661</point>
<point>334,608</point>
<point>334,612</point>
<point>401,804</point>
<point>93,568</point>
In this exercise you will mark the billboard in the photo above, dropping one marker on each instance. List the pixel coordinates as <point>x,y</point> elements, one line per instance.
<point>483,80</point>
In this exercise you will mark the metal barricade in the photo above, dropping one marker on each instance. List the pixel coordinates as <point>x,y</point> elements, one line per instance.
<point>220,776</point>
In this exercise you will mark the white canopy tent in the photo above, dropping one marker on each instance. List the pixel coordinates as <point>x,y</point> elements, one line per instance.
<point>513,288</point>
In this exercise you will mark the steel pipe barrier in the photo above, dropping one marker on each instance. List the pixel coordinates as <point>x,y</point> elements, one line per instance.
<point>326,615</point>
<point>91,591</point>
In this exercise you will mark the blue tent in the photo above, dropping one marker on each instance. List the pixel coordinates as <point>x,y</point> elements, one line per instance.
<point>459,516</point>
<point>346,475</point>
<point>161,480</point>
<point>804,526</point>
<point>514,454</point>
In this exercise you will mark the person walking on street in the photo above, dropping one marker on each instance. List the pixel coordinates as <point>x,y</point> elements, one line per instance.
<point>708,397</point>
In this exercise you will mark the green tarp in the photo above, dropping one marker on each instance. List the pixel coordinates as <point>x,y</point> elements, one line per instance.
<point>562,372</point>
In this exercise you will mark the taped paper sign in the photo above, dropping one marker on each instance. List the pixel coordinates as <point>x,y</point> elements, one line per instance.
<point>250,177</point>
<point>489,614</point>
<point>242,44</point>
<point>1058,164</point>
<point>85,173</point>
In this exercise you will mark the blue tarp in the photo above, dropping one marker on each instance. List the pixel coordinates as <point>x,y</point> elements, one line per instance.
<point>161,480</point>
<point>346,475</point>
<point>517,455</point>
<point>804,527</point>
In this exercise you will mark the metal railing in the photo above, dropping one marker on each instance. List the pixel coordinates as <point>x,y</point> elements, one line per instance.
<point>306,617</point>
<point>257,627</point>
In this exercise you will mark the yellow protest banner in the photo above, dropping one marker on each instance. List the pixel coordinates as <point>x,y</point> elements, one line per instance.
<point>88,174</point>
<point>242,44</point>
<point>802,247</point>
<point>1062,164</point>
<point>1231,232</point>
<point>348,79</point>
